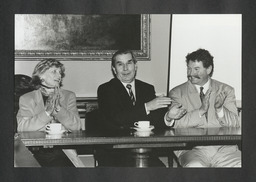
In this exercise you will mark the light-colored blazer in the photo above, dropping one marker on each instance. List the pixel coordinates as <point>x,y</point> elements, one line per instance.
<point>187,95</point>
<point>32,117</point>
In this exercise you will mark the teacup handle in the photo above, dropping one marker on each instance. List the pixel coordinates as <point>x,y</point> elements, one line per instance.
<point>47,127</point>
<point>136,124</point>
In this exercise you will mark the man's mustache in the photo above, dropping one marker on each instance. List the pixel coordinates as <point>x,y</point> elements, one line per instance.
<point>195,76</point>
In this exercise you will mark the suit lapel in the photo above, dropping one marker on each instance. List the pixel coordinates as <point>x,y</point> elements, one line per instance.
<point>39,103</point>
<point>139,96</point>
<point>122,92</point>
<point>194,95</point>
<point>61,96</point>
<point>214,88</point>
<point>192,88</point>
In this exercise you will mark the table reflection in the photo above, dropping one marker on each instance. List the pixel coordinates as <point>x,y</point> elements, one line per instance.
<point>57,136</point>
<point>203,131</point>
<point>42,135</point>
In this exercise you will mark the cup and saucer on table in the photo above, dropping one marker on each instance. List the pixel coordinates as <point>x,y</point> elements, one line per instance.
<point>54,129</point>
<point>143,128</point>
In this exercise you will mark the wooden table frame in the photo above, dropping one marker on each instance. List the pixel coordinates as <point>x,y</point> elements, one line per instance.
<point>171,138</point>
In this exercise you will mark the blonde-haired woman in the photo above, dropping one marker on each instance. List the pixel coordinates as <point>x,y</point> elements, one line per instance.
<point>48,103</point>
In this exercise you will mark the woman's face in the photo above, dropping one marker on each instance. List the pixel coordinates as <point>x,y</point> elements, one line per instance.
<point>51,77</point>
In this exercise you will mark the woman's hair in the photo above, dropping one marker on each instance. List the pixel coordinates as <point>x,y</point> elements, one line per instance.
<point>41,67</point>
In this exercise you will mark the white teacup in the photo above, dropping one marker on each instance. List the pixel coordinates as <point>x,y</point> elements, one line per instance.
<point>142,124</point>
<point>54,127</point>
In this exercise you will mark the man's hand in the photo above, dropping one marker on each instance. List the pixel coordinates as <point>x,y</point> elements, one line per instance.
<point>205,103</point>
<point>158,102</point>
<point>219,101</point>
<point>176,112</point>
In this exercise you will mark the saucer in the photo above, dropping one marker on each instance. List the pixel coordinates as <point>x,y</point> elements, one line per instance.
<point>143,133</point>
<point>55,132</point>
<point>144,129</point>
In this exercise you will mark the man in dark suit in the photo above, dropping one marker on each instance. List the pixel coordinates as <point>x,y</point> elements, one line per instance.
<point>124,100</point>
<point>114,99</point>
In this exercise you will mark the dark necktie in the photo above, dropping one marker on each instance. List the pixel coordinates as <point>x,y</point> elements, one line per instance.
<point>131,93</point>
<point>201,93</point>
<point>201,97</point>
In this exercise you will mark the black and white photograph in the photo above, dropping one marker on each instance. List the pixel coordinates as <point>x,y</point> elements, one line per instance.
<point>128,90</point>
<point>180,108</point>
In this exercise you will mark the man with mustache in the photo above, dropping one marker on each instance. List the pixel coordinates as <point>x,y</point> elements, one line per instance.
<point>203,102</point>
<point>119,110</point>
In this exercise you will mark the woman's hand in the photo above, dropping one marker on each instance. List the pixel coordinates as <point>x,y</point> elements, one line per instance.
<point>49,105</point>
<point>57,100</point>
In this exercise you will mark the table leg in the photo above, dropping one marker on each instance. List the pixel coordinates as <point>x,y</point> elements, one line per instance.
<point>141,156</point>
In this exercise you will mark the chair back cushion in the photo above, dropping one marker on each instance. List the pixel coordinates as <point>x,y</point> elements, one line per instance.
<point>22,86</point>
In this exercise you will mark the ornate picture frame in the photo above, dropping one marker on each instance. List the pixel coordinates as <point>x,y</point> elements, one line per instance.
<point>39,36</point>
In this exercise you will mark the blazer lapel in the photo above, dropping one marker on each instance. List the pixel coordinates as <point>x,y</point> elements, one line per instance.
<point>62,97</point>
<point>141,93</point>
<point>39,103</point>
<point>122,92</point>
<point>194,95</point>
<point>138,91</point>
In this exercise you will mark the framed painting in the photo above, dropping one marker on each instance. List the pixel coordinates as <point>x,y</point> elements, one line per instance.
<point>80,37</point>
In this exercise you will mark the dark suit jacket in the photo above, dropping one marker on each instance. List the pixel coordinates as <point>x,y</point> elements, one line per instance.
<point>116,106</point>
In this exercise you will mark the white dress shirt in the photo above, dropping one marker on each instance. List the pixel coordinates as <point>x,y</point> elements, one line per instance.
<point>134,93</point>
<point>133,88</point>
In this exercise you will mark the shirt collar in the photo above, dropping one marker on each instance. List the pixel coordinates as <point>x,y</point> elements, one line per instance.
<point>132,84</point>
<point>133,87</point>
<point>206,86</point>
